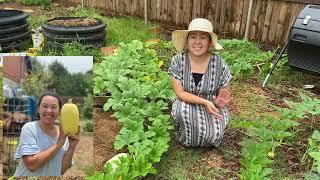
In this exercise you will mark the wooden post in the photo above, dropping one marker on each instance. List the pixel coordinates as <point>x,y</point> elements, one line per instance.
<point>145,12</point>
<point>82,3</point>
<point>248,20</point>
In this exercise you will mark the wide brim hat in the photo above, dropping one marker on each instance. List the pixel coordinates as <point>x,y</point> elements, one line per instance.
<point>179,37</point>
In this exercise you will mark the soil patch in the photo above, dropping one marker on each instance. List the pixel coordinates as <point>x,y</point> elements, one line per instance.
<point>83,157</point>
<point>105,129</point>
<point>231,148</point>
<point>74,22</point>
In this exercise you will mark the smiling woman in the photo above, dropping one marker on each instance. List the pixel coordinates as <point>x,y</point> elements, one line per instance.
<point>44,149</point>
<point>200,80</point>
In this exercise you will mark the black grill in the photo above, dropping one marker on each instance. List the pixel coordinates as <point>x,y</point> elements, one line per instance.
<point>304,40</point>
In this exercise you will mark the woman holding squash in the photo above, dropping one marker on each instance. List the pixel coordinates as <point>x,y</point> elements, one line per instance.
<point>201,82</point>
<point>44,149</point>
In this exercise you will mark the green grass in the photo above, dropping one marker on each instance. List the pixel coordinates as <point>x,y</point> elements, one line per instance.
<point>80,11</point>
<point>180,163</point>
<point>72,49</point>
<point>249,104</point>
<point>36,21</point>
<point>285,74</point>
<point>125,30</point>
<point>176,163</point>
<point>280,167</point>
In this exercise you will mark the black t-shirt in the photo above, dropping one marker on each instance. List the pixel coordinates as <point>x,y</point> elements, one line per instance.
<point>197,77</point>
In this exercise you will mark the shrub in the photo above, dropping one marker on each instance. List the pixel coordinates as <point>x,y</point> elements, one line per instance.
<point>87,107</point>
<point>88,127</point>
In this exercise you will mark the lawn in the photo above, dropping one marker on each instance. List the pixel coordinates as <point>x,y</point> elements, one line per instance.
<point>255,136</point>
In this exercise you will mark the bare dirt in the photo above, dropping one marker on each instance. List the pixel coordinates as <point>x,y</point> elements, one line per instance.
<point>74,22</point>
<point>105,130</point>
<point>83,157</point>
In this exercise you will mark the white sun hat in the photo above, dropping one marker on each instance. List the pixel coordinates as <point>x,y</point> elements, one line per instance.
<point>179,37</point>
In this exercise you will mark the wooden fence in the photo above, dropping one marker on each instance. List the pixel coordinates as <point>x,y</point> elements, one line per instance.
<point>270,23</point>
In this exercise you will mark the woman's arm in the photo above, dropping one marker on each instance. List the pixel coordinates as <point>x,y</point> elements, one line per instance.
<point>34,162</point>
<point>67,158</point>
<point>191,98</point>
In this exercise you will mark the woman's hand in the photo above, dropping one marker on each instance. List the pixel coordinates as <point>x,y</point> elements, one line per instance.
<point>213,110</point>
<point>74,140</point>
<point>62,137</point>
<point>223,98</point>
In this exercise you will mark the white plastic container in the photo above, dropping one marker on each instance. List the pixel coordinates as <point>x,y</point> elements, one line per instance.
<point>115,158</point>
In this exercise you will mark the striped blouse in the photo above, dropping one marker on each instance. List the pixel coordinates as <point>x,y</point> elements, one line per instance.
<point>195,126</point>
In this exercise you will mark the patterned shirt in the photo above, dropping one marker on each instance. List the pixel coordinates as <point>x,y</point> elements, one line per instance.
<point>195,125</point>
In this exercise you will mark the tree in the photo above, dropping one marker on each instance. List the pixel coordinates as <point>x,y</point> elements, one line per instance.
<point>67,84</point>
<point>38,81</point>
<point>60,78</point>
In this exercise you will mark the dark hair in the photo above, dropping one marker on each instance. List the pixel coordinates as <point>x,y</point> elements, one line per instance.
<point>48,94</point>
<point>210,39</point>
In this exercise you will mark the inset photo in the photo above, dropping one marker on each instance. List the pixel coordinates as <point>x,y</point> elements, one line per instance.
<point>47,116</point>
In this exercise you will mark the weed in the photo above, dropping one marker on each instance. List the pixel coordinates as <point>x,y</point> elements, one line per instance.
<point>88,127</point>
<point>127,29</point>
<point>72,49</point>
<point>87,110</point>
<point>36,21</point>
<point>43,3</point>
<point>80,11</point>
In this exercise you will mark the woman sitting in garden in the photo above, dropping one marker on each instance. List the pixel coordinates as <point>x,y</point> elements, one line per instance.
<point>44,149</point>
<point>201,83</point>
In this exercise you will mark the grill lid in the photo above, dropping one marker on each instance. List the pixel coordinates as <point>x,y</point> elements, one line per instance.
<point>310,12</point>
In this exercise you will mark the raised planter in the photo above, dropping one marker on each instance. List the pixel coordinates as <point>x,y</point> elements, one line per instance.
<point>11,16</point>
<point>68,29</point>
<point>14,29</point>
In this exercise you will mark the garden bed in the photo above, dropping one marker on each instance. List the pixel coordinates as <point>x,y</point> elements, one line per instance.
<point>75,22</point>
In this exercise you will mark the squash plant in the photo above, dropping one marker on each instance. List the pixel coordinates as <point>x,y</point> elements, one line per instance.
<point>254,160</point>
<point>140,93</point>
<point>267,133</point>
<point>313,153</point>
<point>244,57</point>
